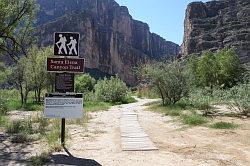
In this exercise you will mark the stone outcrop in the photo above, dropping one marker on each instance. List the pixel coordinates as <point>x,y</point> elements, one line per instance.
<point>111,41</point>
<point>217,24</point>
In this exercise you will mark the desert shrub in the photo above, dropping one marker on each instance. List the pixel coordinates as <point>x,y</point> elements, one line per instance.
<point>168,78</point>
<point>241,98</point>
<point>200,99</point>
<point>20,126</point>
<point>111,90</point>
<point>84,83</point>
<point>89,96</point>
<point>128,99</point>
<point>224,125</point>
<point>193,119</point>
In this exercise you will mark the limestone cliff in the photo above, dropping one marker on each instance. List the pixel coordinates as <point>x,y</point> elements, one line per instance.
<point>111,41</point>
<point>217,24</point>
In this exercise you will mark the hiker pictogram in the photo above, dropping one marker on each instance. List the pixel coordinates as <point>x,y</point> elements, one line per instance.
<point>66,44</point>
<point>62,41</point>
<point>72,43</point>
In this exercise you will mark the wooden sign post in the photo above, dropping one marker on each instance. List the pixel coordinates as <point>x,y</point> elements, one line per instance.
<point>65,103</point>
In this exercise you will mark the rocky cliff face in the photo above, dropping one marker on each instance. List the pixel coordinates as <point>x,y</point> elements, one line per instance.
<point>217,24</point>
<point>111,41</point>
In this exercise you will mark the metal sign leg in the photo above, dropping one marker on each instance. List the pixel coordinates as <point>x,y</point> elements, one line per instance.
<point>63,132</point>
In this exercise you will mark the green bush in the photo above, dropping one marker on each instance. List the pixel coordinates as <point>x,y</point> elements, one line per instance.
<point>84,83</point>
<point>111,90</point>
<point>168,78</point>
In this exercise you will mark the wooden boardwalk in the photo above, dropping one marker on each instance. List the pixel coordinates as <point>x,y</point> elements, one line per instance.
<point>133,137</point>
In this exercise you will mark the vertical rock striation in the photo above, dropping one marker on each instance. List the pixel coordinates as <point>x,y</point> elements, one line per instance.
<point>111,41</point>
<point>217,24</point>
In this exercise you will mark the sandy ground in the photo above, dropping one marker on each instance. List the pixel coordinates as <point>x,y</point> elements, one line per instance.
<point>99,143</point>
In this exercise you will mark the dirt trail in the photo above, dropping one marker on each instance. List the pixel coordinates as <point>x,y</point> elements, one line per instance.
<point>100,143</point>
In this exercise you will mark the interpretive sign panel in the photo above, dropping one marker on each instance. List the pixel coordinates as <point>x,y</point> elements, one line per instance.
<point>66,44</point>
<point>70,65</point>
<point>64,82</point>
<point>61,105</point>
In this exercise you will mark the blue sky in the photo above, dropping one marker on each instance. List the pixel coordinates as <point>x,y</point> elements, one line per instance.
<point>164,17</point>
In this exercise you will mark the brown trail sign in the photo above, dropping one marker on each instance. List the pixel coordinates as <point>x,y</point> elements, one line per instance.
<point>69,65</point>
<point>63,105</point>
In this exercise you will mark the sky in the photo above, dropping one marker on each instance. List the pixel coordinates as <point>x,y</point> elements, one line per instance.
<point>164,17</point>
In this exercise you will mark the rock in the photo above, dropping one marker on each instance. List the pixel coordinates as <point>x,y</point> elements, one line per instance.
<point>215,25</point>
<point>111,41</point>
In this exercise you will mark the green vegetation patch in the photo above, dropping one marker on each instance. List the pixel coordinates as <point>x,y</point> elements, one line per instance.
<point>3,120</point>
<point>193,119</point>
<point>128,99</point>
<point>224,125</point>
<point>33,106</point>
<point>13,104</point>
<point>171,110</point>
<point>96,106</point>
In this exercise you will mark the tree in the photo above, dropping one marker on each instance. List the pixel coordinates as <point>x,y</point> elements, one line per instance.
<point>221,69</point>
<point>20,80</point>
<point>169,78</point>
<point>230,69</point>
<point>16,26</point>
<point>84,83</point>
<point>207,70</point>
<point>30,73</point>
<point>35,69</point>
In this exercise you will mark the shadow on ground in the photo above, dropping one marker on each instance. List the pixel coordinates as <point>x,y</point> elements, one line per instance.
<point>15,154</point>
<point>11,154</point>
<point>70,160</point>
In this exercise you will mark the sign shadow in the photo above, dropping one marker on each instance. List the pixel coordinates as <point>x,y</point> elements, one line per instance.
<point>71,160</point>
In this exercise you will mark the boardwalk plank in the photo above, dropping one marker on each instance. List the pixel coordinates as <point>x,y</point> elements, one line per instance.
<point>133,137</point>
